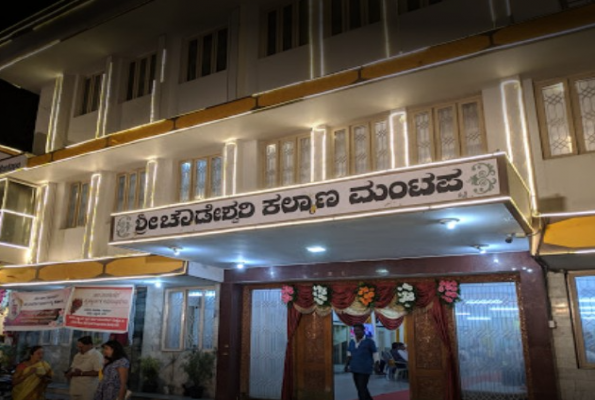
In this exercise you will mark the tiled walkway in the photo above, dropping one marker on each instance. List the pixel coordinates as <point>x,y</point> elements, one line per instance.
<point>345,388</point>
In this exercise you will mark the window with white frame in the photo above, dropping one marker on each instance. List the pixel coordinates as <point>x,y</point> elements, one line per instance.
<point>130,191</point>
<point>201,178</point>
<point>347,15</point>
<point>206,54</point>
<point>361,147</point>
<point>288,161</point>
<point>447,131</point>
<point>141,77</point>
<point>55,337</point>
<point>78,200</point>
<point>189,319</point>
<point>285,27</point>
<point>17,212</point>
<point>582,298</point>
<point>90,93</point>
<point>566,110</point>
<point>412,5</point>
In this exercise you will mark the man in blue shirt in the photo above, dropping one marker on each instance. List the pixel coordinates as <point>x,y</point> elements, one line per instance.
<point>362,354</point>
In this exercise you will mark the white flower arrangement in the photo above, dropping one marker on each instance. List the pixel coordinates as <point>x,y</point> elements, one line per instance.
<point>321,294</point>
<point>406,296</point>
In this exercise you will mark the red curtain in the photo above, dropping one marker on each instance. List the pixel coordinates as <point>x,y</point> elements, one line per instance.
<point>426,295</point>
<point>293,320</point>
<point>343,294</point>
<point>351,320</point>
<point>385,292</point>
<point>390,324</point>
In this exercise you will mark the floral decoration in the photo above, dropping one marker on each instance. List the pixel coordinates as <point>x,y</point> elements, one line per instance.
<point>449,292</point>
<point>288,294</point>
<point>367,294</point>
<point>321,295</point>
<point>406,296</point>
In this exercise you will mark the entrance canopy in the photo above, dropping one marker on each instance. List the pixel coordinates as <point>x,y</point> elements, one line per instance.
<point>400,213</point>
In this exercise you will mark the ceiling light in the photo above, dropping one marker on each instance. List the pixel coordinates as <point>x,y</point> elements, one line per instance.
<point>482,248</point>
<point>240,265</point>
<point>316,249</point>
<point>157,284</point>
<point>450,223</point>
<point>176,250</point>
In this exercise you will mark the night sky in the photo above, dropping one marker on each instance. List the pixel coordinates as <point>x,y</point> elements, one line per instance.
<point>18,107</point>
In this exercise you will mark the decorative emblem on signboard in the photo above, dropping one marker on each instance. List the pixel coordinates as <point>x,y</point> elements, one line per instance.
<point>484,179</point>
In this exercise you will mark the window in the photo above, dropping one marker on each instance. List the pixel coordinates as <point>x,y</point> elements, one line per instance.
<point>201,178</point>
<point>90,94</point>
<point>130,192</point>
<point>360,148</point>
<point>566,109</point>
<point>346,15</point>
<point>78,199</point>
<point>141,75</point>
<point>17,212</point>
<point>189,316</point>
<point>447,131</point>
<point>62,336</point>
<point>582,298</point>
<point>412,5</point>
<point>286,27</point>
<point>288,161</point>
<point>206,54</point>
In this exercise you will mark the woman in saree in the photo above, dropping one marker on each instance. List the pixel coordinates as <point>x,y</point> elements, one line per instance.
<point>31,377</point>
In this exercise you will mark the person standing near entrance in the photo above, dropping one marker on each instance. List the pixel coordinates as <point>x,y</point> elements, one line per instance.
<point>362,356</point>
<point>84,370</point>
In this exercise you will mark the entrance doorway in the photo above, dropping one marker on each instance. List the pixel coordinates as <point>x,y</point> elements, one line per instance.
<point>384,385</point>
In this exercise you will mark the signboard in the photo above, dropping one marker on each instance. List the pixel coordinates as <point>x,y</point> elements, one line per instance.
<point>13,163</point>
<point>34,311</point>
<point>400,189</point>
<point>99,308</point>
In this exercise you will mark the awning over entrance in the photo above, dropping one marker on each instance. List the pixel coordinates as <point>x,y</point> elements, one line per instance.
<point>569,243</point>
<point>107,269</point>
<point>391,214</point>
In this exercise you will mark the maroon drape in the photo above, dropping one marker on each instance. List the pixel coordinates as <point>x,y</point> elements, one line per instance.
<point>351,320</point>
<point>390,324</point>
<point>426,295</point>
<point>385,292</point>
<point>293,320</point>
<point>343,294</point>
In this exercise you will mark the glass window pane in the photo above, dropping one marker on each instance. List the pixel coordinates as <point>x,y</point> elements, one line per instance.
<point>131,192</point>
<point>130,87</point>
<point>271,166</point>
<point>360,149</point>
<point>142,76</point>
<point>355,14</point>
<point>120,193</point>
<point>200,176</point>
<point>194,305</point>
<point>471,129</point>
<point>287,162</point>
<point>173,322</point>
<point>20,198</point>
<point>3,184</point>
<point>287,27</point>
<point>207,55</point>
<point>305,167</point>
<point>96,92</point>
<point>374,11</point>
<point>142,184</point>
<point>556,119</point>
<point>86,96</point>
<point>81,219</point>
<point>152,71</point>
<point>447,133</point>
<point>16,229</point>
<point>271,33</point>
<point>340,161</point>
<point>585,290</point>
<point>336,17</point>
<point>303,23</point>
<point>222,50</point>
<point>586,96</point>
<point>491,359</point>
<point>268,339</point>
<point>208,330</point>
<point>185,175</point>
<point>72,202</point>
<point>421,126</point>
<point>216,176</point>
<point>382,145</point>
<point>192,56</point>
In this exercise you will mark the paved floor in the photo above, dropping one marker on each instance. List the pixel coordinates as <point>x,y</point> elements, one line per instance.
<point>345,388</point>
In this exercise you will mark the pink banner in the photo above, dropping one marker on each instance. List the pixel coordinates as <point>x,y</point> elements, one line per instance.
<point>99,308</point>
<point>36,311</point>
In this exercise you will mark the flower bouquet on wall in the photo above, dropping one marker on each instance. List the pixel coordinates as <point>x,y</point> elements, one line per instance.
<point>449,292</point>
<point>367,294</point>
<point>406,296</point>
<point>288,294</point>
<point>321,295</point>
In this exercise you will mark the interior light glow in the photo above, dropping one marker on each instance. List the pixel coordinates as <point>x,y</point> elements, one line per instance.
<point>316,249</point>
<point>515,309</point>
<point>163,63</point>
<point>240,265</point>
<point>71,281</point>
<point>50,143</point>
<point>98,125</point>
<point>108,95</point>
<point>153,100</point>
<point>484,301</point>
<point>450,223</point>
<point>133,255</point>
<point>158,284</point>
<point>479,318</point>
<point>567,214</point>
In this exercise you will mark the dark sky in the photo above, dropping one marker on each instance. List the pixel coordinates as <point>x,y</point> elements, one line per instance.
<point>18,107</point>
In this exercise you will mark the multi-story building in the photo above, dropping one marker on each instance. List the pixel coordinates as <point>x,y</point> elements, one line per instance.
<point>213,154</point>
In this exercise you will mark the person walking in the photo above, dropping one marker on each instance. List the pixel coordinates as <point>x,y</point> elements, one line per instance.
<point>84,370</point>
<point>362,357</point>
<point>115,373</point>
<point>32,377</point>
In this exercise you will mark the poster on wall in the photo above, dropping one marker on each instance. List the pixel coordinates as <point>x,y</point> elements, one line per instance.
<point>99,308</point>
<point>36,311</point>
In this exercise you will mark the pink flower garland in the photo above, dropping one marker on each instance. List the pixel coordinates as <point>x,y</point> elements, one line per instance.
<point>449,292</point>
<point>288,294</point>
